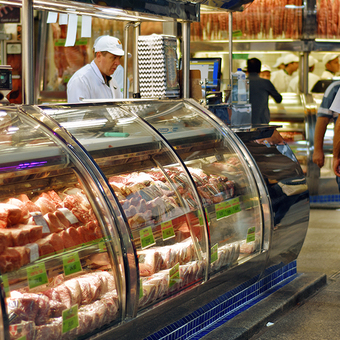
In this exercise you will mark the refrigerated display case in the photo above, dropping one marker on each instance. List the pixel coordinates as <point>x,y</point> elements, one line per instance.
<point>113,213</point>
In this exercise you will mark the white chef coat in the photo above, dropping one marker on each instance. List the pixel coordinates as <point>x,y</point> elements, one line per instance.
<point>294,83</point>
<point>118,76</point>
<point>88,83</point>
<point>335,107</point>
<point>281,80</point>
<point>327,74</point>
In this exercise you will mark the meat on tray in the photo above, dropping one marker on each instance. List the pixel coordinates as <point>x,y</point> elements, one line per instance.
<point>54,221</point>
<point>94,293</point>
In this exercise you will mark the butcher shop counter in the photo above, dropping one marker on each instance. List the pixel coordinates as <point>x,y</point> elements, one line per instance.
<point>113,213</point>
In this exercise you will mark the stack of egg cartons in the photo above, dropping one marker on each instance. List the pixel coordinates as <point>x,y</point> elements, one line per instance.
<point>157,61</point>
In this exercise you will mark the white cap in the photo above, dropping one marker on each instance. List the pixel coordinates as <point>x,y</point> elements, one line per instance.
<point>106,43</point>
<point>265,67</point>
<point>329,57</point>
<point>311,61</point>
<point>290,58</point>
<point>279,61</point>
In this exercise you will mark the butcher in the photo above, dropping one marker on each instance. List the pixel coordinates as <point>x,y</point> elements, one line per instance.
<point>282,78</point>
<point>331,62</point>
<point>94,81</point>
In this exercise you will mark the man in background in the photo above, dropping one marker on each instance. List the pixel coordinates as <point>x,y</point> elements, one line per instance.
<point>312,78</point>
<point>265,71</point>
<point>259,91</point>
<point>331,62</point>
<point>282,78</point>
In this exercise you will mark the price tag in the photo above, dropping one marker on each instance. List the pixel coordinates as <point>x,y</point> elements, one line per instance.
<point>34,251</point>
<point>206,214</point>
<point>141,288</point>
<point>200,218</point>
<point>174,275</point>
<point>251,234</point>
<point>22,338</point>
<point>69,215</point>
<point>70,319</point>
<point>235,203</point>
<point>146,237</point>
<point>36,275</point>
<point>39,220</point>
<point>71,264</point>
<point>102,247</point>
<point>214,253</point>
<point>6,284</point>
<point>167,230</point>
<point>221,210</point>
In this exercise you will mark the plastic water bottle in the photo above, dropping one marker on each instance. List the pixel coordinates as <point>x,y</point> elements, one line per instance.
<point>241,87</point>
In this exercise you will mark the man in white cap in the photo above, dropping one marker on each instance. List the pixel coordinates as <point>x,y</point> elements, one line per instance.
<point>265,71</point>
<point>312,78</point>
<point>93,81</point>
<point>282,78</point>
<point>331,62</point>
<point>279,63</point>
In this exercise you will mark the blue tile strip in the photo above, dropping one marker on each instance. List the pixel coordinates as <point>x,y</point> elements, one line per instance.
<point>324,198</point>
<point>217,312</point>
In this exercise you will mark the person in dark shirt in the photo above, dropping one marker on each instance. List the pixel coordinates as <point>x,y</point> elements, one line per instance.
<point>259,91</point>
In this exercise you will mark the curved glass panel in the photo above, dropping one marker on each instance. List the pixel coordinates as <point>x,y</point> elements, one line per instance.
<point>59,269</point>
<point>221,174</point>
<point>160,202</point>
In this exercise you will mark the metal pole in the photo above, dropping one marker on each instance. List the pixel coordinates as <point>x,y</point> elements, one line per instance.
<point>230,44</point>
<point>303,73</point>
<point>186,59</point>
<point>126,39</point>
<point>136,93</point>
<point>27,51</point>
<point>42,41</point>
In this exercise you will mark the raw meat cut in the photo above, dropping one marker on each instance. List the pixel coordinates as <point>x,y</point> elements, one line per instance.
<point>9,214</point>
<point>24,210</point>
<point>67,240</point>
<point>55,241</point>
<point>14,258</point>
<point>45,247</point>
<point>74,235</point>
<point>45,205</point>
<point>35,231</point>
<point>54,223</point>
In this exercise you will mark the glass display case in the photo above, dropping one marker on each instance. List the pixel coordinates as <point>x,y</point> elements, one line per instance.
<point>112,211</point>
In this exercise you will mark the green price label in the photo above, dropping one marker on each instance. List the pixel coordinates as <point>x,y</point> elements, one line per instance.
<point>6,284</point>
<point>36,275</point>
<point>22,338</point>
<point>235,203</point>
<point>70,319</point>
<point>214,253</point>
<point>146,237</point>
<point>71,264</point>
<point>251,234</point>
<point>81,42</point>
<point>102,247</point>
<point>174,275</point>
<point>221,210</point>
<point>167,230</point>
<point>141,288</point>
<point>60,42</point>
<point>206,213</point>
<point>200,218</point>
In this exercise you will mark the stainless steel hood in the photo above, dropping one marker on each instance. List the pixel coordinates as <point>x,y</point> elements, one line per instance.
<point>128,10</point>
